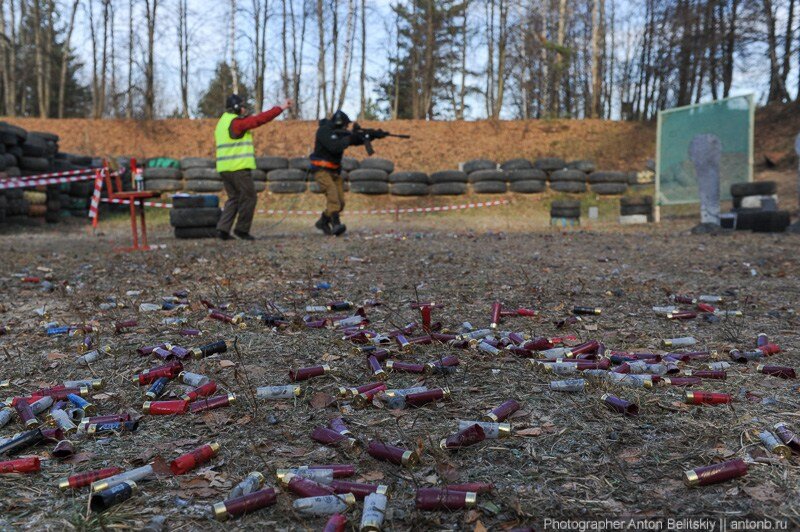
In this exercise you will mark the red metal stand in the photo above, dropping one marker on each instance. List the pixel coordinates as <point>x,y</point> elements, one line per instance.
<point>133,197</point>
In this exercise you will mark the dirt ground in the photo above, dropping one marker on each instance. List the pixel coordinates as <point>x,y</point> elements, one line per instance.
<point>569,456</point>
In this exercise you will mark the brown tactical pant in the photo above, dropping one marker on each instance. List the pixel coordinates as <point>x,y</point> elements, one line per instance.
<point>241,201</point>
<point>332,186</point>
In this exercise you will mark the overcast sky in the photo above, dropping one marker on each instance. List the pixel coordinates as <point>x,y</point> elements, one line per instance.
<point>209,31</point>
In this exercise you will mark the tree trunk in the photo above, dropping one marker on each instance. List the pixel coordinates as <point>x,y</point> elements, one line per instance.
<point>787,47</point>
<point>777,90</point>
<point>594,107</point>
<point>104,62</point>
<point>362,78</point>
<point>463,86</point>
<point>348,52</point>
<point>730,47</point>
<point>4,70</point>
<point>62,79</point>
<point>38,58</point>
<point>502,46</point>
<point>232,44</point>
<point>490,57</point>
<point>323,86</point>
<point>151,6</point>
<point>129,104</point>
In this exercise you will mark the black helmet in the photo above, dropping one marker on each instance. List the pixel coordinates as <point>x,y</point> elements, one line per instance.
<point>340,119</point>
<point>234,103</point>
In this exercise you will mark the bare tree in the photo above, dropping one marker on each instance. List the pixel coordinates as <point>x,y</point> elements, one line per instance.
<point>151,8</point>
<point>62,79</point>
<point>260,21</point>
<point>183,55</point>
<point>129,92</point>
<point>348,52</point>
<point>362,78</point>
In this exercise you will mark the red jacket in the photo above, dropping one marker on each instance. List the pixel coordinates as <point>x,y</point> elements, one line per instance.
<point>245,123</point>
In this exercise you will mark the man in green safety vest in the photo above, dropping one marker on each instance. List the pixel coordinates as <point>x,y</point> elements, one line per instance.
<point>236,159</point>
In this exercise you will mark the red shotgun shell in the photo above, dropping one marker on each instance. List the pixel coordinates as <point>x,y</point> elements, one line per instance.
<point>30,464</point>
<point>165,408</point>
<point>120,326</point>
<point>706,374</point>
<point>25,413</point>
<point>201,391</point>
<point>586,347</point>
<point>425,310</point>
<point>377,370</point>
<point>339,426</point>
<point>331,437</point>
<point>429,396</point>
<point>438,499</point>
<point>788,437</point>
<point>707,398</point>
<point>682,381</point>
<point>187,462</point>
<point>149,376</point>
<point>769,349</point>
<point>703,476</point>
<point>474,487</point>
<point>404,367</point>
<point>503,411</point>
<point>305,487</point>
<point>783,372</point>
<point>244,504</point>
<point>351,392</point>
<point>302,374</point>
<point>497,307</point>
<point>464,438</point>
<point>358,489</point>
<point>364,399</point>
<point>217,401</point>
<point>390,453</point>
<point>84,479</point>
<point>336,523</point>
<point>339,470</point>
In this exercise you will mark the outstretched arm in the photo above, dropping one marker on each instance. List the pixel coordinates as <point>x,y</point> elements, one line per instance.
<point>241,125</point>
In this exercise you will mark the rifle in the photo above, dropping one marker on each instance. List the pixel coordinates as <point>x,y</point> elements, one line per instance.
<point>369,134</point>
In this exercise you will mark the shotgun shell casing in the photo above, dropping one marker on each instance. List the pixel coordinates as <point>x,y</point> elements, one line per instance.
<point>238,506</point>
<point>474,487</point>
<point>220,346</point>
<point>109,418</point>
<point>682,381</point>
<point>569,385</point>
<point>311,309</point>
<point>251,483</point>
<point>41,404</point>
<point>762,339</point>
<point>6,415</point>
<point>324,504</point>
<point>25,413</point>
<point>706,374</point>
<point>773,445</point>
<point>620,405</point>
<point>122,326</point>
<point>444,499</point>
<point>148,349</point>
<point>705,307</point>
<point>713,474</point>
<point>787,436</point>
<point>681,315</point>
<point>488,348</point>
<point>94,384</point>
<point>320,476</point>
<point>464,438</point>
<point>81,480</point>
<point>135,475</point>
<point>679,342</point>
<point>497,307</point>
<point>307,373</point>
<point>707,298</point>
<point>289,391</point>
<point>76,415</point>
<point>193,379</point>
<point>352,392</point>
<point>402,341</point>
<point>707,398</point>
<point>377,370</point>
<point>425,312</point>
<point>179,352</point>
<point>390,453</point>
<point>303,486</point>
<point>339,470</point>
<point>82,403</point>
<point>783,372</point>
<point>23,441</point>
<point>63,449</point>
<point>556,352</point>
<point>187,462</point>
<point>429,396</point>
<point>738,357</point>
<point>587,347</point>
<point>105,499</point>
<point>165,408</point>
<point>490,429</point>
<point>218,401</point>
<point>339,426</point>
<point>328,436</point>
<point>86,344</point>
<point>686,300</point>
<point>61,394</point>
<point>718,366</point>
<point>99,429</point>
<point>582,311</point>
<point>201,391</point>
<point>404,367</point>
<point>502,412</point>
<point>162,353</point>
<point>149,376</point>
<point>441,366</point>
<point>30,464</point>
<point>475,335</point>
<point>359,490</point>
<point>373,514</point>
<point>665,310</point>
<point>92,356</point>
<point>364,399</point>
<point>638,381</point>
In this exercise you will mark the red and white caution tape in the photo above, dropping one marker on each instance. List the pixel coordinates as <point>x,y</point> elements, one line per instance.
<point>54,178</point>
<point>98,189</point>
<point>409,210</point>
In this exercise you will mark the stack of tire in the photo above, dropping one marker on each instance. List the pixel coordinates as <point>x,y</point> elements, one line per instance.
<point>565,213</point>
<point>199,175</point>
<point>372,176</point>
<point>79,198</point>
<point>162,174</point>
<point>16,206</point>
<point>195,216</point>
<point>755,206</point>
<point>635,210</point>
<point>285,176</point>
<point>448,183</point>
<point>562,178</point>
<point>523,178</point>
<point>409,184</point>
<point>609,183</point>
<point>484,177</point>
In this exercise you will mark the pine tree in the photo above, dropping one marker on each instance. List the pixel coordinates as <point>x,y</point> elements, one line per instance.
<point>212,102</point>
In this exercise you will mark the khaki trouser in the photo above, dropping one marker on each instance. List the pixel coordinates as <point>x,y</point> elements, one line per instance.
<point>332,186</point>
<point>241,201</point>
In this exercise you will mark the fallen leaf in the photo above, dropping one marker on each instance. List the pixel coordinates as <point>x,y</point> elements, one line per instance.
<point>479,527</point>
<point>529,432</point>
<point>371,476</point>
<point>322,400</point>
<point>327,357</point>
<point>79,458</point>
<point>226,364</point>
<point>104,396</point>
<point>56,356</point>
<point>244,420</point>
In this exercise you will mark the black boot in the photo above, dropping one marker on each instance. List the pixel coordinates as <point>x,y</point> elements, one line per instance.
<point>324,224</point>
<point>337,227</point>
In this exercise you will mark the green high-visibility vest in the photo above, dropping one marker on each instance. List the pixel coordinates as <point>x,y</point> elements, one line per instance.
<point>233,154</point>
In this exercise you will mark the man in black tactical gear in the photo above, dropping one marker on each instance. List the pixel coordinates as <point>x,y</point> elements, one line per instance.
<point>332,139</point>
